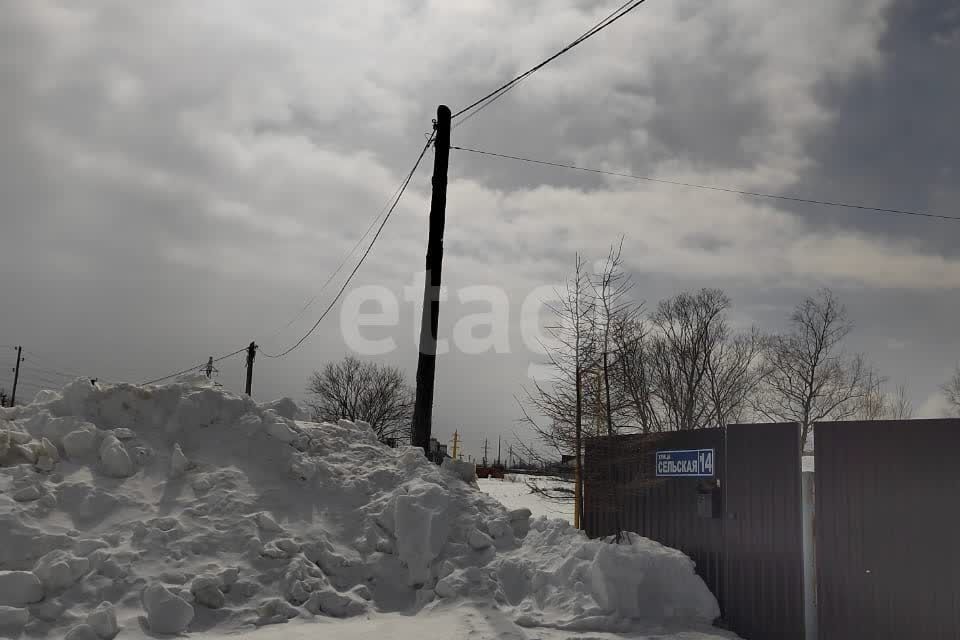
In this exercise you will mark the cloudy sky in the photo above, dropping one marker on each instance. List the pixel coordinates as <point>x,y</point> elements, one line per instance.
<point>179,178</point>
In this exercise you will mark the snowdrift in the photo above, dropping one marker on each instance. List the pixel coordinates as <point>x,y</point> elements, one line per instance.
<point>184,507</point>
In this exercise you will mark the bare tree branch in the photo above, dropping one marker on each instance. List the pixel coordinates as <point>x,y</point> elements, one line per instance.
<point>952,392</point>
<point>356,390</point>
<point>809,378</point>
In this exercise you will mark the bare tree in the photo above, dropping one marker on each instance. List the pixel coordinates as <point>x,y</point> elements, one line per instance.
<point>879,404</point>
<point>614,311</point>
<point>554,409</point>
<point>734,372</point>
<point>356,390</point>
<point>690,329</point>
<point>900,407</point>
<point>810,378</point>
<point>952,392</point>
<point>634,362</point>
<point>873,404</point>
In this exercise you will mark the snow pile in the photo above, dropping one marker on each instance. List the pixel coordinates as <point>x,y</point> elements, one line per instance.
<point>184,507</point>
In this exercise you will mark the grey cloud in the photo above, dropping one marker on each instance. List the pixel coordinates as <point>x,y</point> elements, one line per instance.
<point>176,182</point>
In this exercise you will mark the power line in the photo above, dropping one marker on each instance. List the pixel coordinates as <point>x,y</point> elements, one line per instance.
<point>29,367</point>
<point>498,93</point>
<point>48,362</point>
<point>339,268</point>
<point>193,368</point>
<point>29,375</point>
<point>403,188</point>
<point>756,194</point>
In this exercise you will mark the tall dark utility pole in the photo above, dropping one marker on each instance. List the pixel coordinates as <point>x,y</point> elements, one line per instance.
<point>427,360</point>
<point>251,354</point>
<point>16,377</point>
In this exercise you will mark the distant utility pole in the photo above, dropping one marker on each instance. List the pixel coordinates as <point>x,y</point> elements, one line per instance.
<point>484,452</point>
<point>498,451</point>
<point>208,370</point>
<point>251,354</point>
<point>427,360</point>
<point>456,444</point>
<point>16,377</point>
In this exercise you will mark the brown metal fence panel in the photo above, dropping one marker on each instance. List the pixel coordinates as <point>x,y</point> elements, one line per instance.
<point>887,524</point>
<point>623,492</point>
<point>763,554</point>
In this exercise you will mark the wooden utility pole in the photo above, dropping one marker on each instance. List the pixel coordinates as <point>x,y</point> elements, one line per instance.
<point>16,377</point>
<point>208,370</point>
<point>251,354</point>
<point>498,451</point>
<point>427,360</point>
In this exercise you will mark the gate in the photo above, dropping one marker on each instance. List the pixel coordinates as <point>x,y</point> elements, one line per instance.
<point>763,552</point>
<point>886,529</point>
<point>741,526</point>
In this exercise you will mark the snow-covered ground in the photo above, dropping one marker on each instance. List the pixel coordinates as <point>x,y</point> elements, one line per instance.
<point>516,491</point>
<point>187,509</point>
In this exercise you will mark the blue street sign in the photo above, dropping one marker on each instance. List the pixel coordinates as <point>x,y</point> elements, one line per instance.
<point>689,463</point>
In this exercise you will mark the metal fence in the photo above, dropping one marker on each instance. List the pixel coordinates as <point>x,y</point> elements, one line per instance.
<point>741,524</point>
<point>887,527</point>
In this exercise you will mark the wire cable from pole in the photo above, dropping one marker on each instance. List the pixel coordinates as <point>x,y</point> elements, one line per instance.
<point>499,92</point>
<point>193,368</point>
<point>403,188</point>
<point>29,367</point>
<point>48,362</point>
<point>756,194</point>
<point>339,268</point>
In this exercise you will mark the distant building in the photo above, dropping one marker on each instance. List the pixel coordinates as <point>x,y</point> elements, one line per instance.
<point>437,451</point>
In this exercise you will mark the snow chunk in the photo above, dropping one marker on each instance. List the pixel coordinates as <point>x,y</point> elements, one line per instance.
<point>285,408</point>
<point>49,450</point>
<point>421,525</point>
<point>80,443</point>
<point>479,541</point>
<point>13,620</point>
<point>14,436</point>
<point>206,591</point>
<point>228,577</point>
<point>178,462</point>
<point>282,431</point>
<point>28,493</point>
<point>103,620</point>
<point>466,471</point>
<point>86,546</point>
<point>81,632</point>
<point>20,587</point>
<point>275,611</point>
<point>338,605</point>
<point>283,548</point>
<point>122,433</point>
<point>115,459</point>
<point>266,522</point>
<point>49,610</point>
<point>166,612</point>
<point>59,569</point>
<point>522,513</point>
